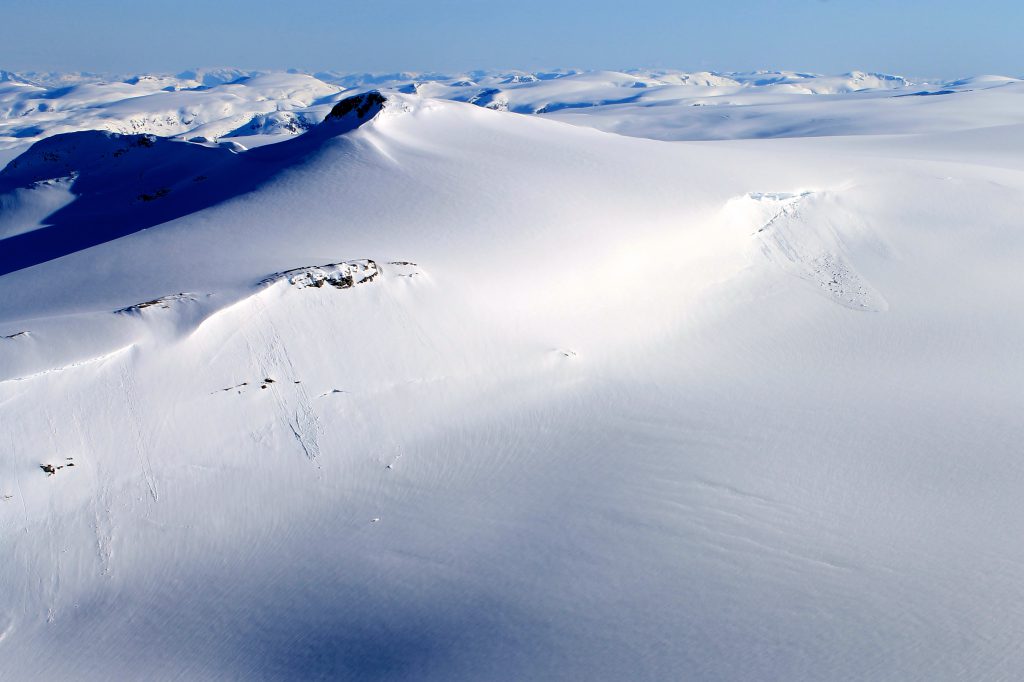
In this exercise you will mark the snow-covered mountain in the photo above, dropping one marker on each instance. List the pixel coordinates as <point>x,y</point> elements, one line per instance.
<point>433,378</point>
<point>225,102</point>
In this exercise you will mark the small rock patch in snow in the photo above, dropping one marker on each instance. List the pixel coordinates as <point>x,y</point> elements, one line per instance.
<point>51,469</point>
<point>163,302</point>
<point>343,275</point>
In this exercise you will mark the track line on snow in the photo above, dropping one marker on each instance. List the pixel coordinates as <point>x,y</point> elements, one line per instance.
<point>141,444</point>
<point>21,493</point>
<point>73,365</point>
<point>294,405</point>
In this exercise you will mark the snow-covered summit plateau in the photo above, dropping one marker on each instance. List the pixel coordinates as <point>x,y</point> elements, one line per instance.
<point>636,375</point>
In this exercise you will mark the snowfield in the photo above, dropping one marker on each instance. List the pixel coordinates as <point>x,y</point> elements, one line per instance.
<point>511,376</point>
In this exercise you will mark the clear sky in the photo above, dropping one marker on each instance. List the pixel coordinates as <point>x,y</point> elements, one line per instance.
<point>911,37</point>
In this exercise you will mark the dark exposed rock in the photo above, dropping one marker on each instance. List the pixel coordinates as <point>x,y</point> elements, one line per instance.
<point>362,105</point>
<point>158,194</point>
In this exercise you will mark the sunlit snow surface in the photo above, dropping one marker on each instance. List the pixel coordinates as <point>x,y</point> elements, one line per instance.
<point>446,388</point>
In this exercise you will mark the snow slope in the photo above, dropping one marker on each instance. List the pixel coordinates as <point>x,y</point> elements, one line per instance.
<point>432,391</point>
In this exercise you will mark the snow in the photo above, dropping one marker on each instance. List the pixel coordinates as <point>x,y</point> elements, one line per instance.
<point>798,232</point>
<point>426,390</point>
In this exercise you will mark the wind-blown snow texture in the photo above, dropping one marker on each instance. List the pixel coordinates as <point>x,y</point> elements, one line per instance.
<point>359,377</point>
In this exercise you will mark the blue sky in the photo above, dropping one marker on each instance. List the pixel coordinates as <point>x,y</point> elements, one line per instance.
<point>910,37</point>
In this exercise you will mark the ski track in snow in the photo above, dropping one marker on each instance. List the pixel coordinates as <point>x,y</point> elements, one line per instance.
<point>103,524</point>
<point>102,501</point>
<point>17,481</point>
<point>140,439</point>
<point>293,401</point>
<point>73,365</point>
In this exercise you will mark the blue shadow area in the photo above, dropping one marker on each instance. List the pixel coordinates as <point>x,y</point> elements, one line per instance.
<point>127,183</point>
